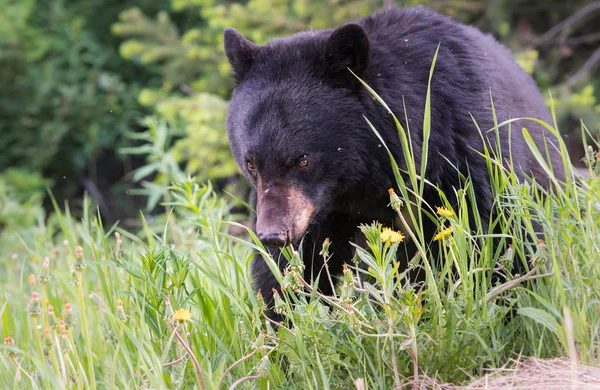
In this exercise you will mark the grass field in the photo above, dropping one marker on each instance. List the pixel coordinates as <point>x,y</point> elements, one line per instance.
<point>91,306</point>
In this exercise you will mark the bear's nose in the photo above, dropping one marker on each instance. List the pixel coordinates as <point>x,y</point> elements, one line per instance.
<point>273,238</point>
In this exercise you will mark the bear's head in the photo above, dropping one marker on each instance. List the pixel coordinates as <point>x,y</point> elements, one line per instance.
<point>295,125</point>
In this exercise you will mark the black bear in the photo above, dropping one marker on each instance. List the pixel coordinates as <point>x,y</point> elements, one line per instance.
<point>296,125</point>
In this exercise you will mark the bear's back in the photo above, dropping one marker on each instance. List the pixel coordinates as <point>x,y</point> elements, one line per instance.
<point>472,68</point>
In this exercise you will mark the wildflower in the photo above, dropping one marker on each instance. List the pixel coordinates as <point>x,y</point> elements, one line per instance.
<point>34,308</point>
<point>121,311</point>
<point>347,285</point>
<point>47,341</point>
<point>352,317</point>
<point>292,274</point>
<point>356,259</point>
<point>67,315</point>
<point>444,212</point>
<point>52,320</point>
<point>590,156</point>
<point>78,266</point>
<point>507,259</point>
<point>182,315</point>
<point>31,279</point>
<point>325,249</point>
<point>347,294</point>
<point>296,263</point>
<point>290,280</point>
<point>260,302</point>
<point>260,340</point>
<point>169,313</point>
<point>269,328</point>
<point>74,277</point>
<point>414,262</point>
<point>388,235</point>
<point>445,233</point>
<point>36,260</point>
<point>118,246</point>
<point>9,342</point>
<point>279,303</point>
<point>540,256</point>
<point>45,274</point>
<point>347,274</point>
<point>395,200</point>
<point>55,251</point>
<point>65,345</point>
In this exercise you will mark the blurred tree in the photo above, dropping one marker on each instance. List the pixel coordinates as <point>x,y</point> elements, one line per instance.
<point>21,211</point>
<point>66,95</point>
<point>190,58</point>
<point>196,57</point>
<point>195,71</point>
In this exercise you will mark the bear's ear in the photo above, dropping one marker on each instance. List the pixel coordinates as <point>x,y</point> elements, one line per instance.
<point>347,47</point>
<point>240,52</point>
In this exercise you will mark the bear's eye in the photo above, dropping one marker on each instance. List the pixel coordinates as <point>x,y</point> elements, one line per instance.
<point>250,165</point>
<point>303,162</point>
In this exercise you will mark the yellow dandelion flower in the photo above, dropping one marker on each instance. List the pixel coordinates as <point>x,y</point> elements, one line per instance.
<point>444,212</point>
<point>182,315</point>
<point>443,234</point>
<point>388,235</point>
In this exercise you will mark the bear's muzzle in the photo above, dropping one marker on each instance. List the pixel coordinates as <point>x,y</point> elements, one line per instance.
<point>283,214</point>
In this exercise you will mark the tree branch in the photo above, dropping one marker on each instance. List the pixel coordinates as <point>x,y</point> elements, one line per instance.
<point>582,13</point>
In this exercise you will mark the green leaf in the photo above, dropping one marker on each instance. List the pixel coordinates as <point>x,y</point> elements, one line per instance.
<point>541,317</point>
<point>145,171</point>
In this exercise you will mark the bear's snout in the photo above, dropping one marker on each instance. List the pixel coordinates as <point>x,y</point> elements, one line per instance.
<point>283,215</point>
<point>273,238</point>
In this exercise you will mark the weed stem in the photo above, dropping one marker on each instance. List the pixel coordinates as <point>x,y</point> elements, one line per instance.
<point>244,379</point>
<point>243,359</point>
<point>86,336</point>
<point>192,356</point>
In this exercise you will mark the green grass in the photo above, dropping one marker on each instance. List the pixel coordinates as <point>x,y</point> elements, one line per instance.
<point>122,293</point>
<point>382,330</point>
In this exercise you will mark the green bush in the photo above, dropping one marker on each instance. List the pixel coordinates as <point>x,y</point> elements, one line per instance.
<point>193,62</point>
<point>185,45</point>
<point>21,212</point>
<point>66,94</point>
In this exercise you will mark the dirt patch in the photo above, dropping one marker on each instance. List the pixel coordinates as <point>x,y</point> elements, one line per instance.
<point>539,374</point>
<point>529,374</point>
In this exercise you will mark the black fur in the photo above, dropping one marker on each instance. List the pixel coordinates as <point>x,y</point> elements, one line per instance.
<point>295,97</point>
